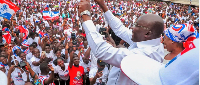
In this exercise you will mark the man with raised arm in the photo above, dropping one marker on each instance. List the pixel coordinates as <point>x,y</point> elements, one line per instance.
<point>143,40</point>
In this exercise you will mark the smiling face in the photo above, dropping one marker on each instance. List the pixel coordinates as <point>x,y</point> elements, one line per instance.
<point>147,27</point>
<point>60,62</point>
<point>23,56</point>
<point>58,53</point>
<point>36,53</point>
<point>138,32</point>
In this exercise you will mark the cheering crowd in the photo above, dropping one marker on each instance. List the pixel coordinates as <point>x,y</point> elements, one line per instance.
<point>86,43</point>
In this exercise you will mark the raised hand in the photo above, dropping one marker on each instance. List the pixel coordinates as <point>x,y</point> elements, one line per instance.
<point>99,74</point>
<point>51,67</point>
<point>12,68</point>
<point>84,5</point>
<point>67,46</point>
<point>100,2</point>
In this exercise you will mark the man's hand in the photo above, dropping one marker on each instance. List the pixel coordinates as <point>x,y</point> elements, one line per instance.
<point>99,74</point>
<point>42,58</point>
<point>71,54</point>
<point>84,5</point>
<point>102,4</point>
<point>67,46</point>
<point>12,68</point>
<point>27,65</point>
<point>51,67</point>
<point>99,2</point>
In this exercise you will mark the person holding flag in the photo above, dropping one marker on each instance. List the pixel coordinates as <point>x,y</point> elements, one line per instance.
<point>7,9</point>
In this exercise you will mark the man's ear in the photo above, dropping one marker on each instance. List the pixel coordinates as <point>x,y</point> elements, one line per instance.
<point>148,34</point>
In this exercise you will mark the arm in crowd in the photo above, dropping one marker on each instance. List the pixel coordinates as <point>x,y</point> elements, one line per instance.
<point>9,52</point>
<point>51,78</point>
<point>11,69</point>
<point>71,59</point>
<point>44,41</point>
<point>87,53</point>
<point>41,60</point>
<point>110,39</point>
<point>66,50</point>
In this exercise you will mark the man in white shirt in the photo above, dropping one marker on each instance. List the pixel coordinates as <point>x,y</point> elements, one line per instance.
<point>144,40</point>
<point>86,65</point>
<point>36,60</point>
<point>99,75</point>
<point>49,54</point>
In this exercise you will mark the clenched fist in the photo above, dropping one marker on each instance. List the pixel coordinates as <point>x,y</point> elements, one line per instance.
<point>84,5</point>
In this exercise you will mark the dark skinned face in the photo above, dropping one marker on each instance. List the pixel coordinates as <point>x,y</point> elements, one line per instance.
<point>138,33</point>
<point>36,53</point>
<point>60,62</point>
<point>47,49</point>
<point>23,56</point>
<point>76,60</point>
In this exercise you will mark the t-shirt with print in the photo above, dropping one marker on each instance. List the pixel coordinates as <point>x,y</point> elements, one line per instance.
<point>64,75</point>
<point>42,78</point>
<point>18,77</point>
<point>76,75</point>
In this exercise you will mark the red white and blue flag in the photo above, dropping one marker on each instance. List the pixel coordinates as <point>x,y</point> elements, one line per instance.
<point>49,15</point>
<point>24,30</point>
<point>5,29</point>
<point>7,9</point>
<point>7,37</point>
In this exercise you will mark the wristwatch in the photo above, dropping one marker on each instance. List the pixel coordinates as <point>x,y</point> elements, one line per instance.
<point>86,12</point>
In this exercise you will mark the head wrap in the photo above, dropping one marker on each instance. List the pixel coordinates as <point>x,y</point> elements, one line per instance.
<point>181,33</point>
<point>15,48</point>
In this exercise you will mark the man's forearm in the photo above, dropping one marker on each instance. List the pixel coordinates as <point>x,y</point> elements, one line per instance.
<point>93,80</point>
<point>50,80</point>
<point>87,53</point>
<point>103,6</point>
<point>9,78</point>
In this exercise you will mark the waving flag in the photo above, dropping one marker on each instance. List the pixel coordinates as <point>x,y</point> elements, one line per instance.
<point>7,37</point>
<point>5,29</point>
<point>41,34</point>
<point>24,30</point>
<point>7,9</point>
<point>49,15</point>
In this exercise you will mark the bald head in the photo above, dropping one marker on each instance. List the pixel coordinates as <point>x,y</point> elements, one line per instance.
<point>155,22</point>
<point>148,27</point>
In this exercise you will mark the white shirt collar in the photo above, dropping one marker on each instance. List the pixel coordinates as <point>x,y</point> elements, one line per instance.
<point>148,43</point>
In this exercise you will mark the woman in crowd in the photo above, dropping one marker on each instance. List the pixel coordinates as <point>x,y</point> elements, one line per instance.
<point>176,38</point>
<point>61,69</point>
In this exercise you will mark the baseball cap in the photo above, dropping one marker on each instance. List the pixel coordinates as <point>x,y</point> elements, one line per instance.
<point>100,62</point>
